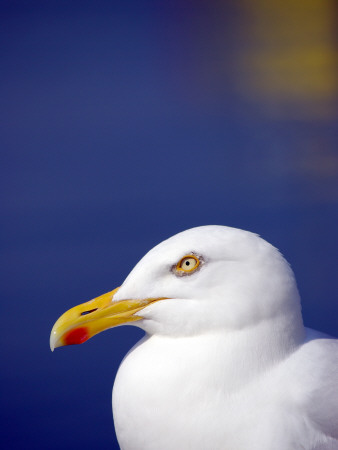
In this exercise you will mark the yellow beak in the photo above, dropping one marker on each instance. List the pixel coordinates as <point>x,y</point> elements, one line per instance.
<point>82,322</point>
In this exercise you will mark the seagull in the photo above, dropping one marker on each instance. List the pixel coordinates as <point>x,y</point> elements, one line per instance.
<point>226,362</point>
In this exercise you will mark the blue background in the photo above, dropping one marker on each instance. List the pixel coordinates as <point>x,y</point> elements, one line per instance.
<point>124,123</point>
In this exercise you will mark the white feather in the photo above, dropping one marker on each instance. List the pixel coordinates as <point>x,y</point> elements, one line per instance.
<point>226,362</point>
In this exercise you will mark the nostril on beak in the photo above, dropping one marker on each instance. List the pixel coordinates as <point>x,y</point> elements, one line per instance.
<point>84,313</point>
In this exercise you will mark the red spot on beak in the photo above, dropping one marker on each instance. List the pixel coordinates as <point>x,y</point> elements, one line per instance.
<point>76,336</point>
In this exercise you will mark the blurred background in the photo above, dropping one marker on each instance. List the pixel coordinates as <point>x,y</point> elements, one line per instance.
<point>124,123</point>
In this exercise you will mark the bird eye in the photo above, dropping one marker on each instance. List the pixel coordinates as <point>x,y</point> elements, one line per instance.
<point>187,264</point>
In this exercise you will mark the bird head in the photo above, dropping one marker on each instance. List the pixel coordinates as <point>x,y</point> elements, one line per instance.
<point>199,281</point>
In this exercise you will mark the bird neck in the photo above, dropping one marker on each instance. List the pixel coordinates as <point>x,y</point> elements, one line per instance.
<point>254,350</point>
<point>231,358</point>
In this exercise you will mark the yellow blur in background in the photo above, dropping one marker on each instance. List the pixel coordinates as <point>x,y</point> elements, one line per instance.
<point>292,57</point>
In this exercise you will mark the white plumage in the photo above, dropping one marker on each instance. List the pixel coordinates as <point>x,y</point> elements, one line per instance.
<point>226,362</point>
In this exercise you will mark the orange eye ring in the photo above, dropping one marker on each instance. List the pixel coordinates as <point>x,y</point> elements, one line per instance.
<point>187,264</point>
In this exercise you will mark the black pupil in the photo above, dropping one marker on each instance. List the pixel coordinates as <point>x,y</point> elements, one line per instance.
<point>187,263</point>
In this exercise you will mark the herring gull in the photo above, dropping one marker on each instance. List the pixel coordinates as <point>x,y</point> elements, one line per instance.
<point>226,362</point>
